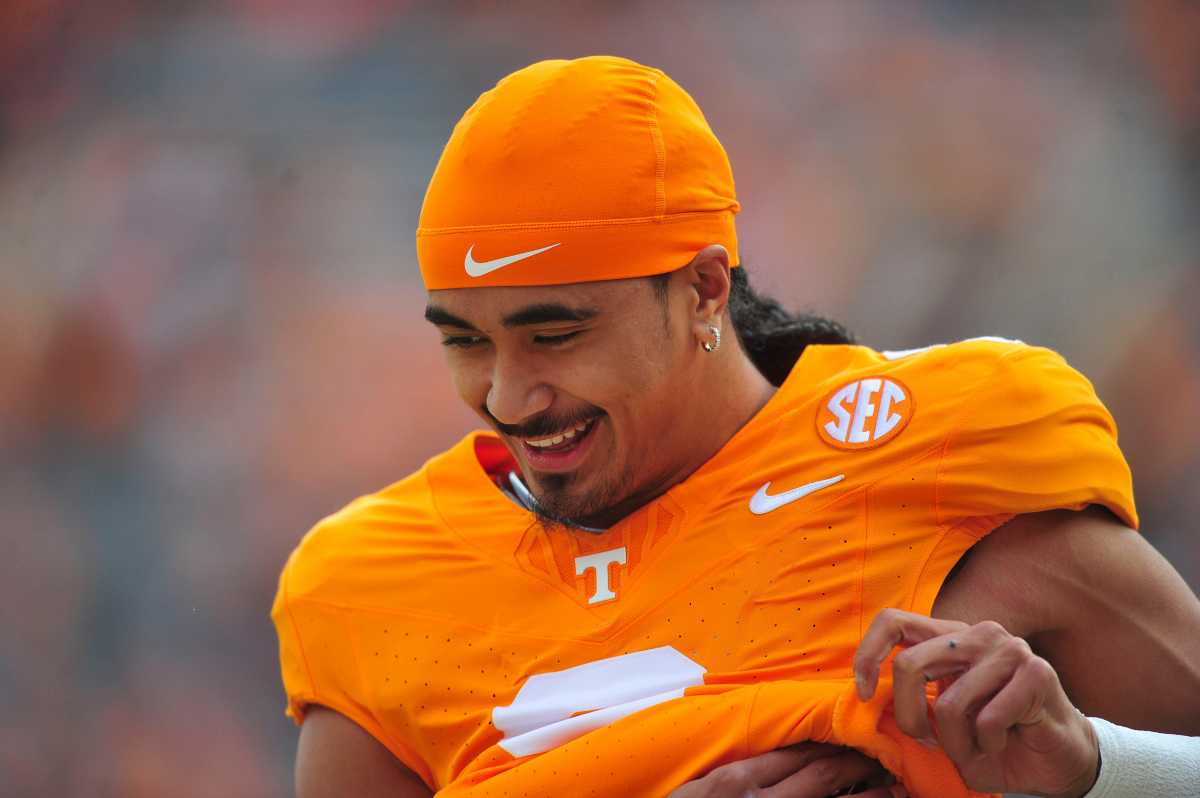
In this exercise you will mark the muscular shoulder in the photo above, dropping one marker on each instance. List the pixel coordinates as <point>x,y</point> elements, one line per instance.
<point>1093,597</point>
<point>1037,569</point>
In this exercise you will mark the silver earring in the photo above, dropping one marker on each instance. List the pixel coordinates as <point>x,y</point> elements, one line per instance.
<point>715,343</point>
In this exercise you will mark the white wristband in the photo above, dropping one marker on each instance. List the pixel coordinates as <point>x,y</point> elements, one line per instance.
<point>1143,764</point>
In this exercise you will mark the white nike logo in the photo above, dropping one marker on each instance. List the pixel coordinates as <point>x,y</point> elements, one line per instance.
<point>762,502</point>
<point>479,268</point>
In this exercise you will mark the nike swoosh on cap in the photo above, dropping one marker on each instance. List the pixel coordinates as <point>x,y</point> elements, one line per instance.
<point>477,268</point>
<point>762,502</point>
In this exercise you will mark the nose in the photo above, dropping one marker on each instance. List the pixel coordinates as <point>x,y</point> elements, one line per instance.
<point>517,392</point>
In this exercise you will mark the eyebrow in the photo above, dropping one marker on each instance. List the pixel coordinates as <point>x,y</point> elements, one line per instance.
<point>533,314</point>
<point>444,318</point>
<point>548,312</point>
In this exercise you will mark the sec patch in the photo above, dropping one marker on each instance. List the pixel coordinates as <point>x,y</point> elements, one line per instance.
<point>865,413</point>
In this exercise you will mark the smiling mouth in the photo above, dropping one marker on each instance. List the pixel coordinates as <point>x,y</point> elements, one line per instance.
<point>561,452</point>
<point>563,441</point>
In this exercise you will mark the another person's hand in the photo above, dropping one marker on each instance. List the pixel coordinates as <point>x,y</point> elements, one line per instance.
<point>1001,714</point>
<point>807,770</point>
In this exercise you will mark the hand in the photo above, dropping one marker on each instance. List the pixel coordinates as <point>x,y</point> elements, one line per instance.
<point>807,770</point>
<point>1002,716</point>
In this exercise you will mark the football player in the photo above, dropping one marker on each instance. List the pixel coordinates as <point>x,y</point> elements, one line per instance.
<point>662,555</point>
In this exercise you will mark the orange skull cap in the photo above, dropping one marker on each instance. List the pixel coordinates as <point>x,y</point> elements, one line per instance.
<point>573,171</point>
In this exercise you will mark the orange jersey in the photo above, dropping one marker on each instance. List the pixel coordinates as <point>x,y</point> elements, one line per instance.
<point>717,622</point>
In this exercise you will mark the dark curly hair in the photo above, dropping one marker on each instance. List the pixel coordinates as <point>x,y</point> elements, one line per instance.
<point>770,335</point>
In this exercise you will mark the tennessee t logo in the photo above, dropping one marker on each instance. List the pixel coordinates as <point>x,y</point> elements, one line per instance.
<point>599,562</point>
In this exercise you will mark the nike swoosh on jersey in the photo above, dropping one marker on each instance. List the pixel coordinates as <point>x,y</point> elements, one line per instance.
<point>762,502</point>
<point>480,268</point>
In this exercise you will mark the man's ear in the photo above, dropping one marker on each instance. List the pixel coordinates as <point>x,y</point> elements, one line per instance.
<point>707,277</point>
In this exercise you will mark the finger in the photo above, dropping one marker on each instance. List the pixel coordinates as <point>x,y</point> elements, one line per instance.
<point>889,629</point>
<point>912,671</point>
<point>1024,701</point>
<point>826,776</point>
<point>774,766</point>
<point>945,657</point>
<point>957,708</point>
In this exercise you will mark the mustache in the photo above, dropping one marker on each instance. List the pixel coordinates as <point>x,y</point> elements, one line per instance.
<point>546,424</point>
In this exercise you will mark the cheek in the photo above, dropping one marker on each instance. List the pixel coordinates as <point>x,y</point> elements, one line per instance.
<point>470,380</point>
<point>662,387</point>
<point>642,380</point>
<point>655,358</point>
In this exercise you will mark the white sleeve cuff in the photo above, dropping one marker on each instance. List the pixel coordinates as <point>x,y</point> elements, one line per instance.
<point>1143,764</point>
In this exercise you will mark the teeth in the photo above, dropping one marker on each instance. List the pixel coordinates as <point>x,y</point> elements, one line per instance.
<point>543,443</point>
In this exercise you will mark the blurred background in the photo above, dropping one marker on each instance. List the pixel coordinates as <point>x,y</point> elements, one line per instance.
<point>210,330</point>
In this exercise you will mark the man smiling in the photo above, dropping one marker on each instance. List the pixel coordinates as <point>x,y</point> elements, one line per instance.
<point>577,386</point>
<point>691,504</point>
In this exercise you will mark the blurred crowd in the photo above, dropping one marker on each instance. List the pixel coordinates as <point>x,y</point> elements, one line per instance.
<point>210,330</point>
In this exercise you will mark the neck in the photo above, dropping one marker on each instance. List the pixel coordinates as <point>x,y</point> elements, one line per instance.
<point>733,395</point>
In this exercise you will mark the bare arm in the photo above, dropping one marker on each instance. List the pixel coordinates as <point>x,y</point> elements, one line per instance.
<point>1117,622</point>
<point>336,757</point>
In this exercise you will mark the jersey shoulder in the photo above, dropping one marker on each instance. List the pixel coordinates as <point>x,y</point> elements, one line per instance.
<point>949,381</point>
<point>1022,431</point>
<point>993,389</point>
<point>379,549</point>
<point>378,541</point>
<point>1013,427</point>
<point>990,367</point>
<point>340,556</point>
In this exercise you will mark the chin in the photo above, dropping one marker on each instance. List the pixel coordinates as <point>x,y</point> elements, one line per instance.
<point>564,506</point>
<point>564,502</point>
